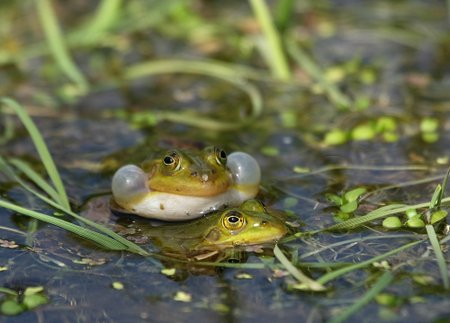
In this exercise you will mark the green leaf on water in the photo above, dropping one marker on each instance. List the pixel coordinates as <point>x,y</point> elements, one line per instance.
<point>34,300</point>
<point>392,222</point>
<point>270,151</point>
<point>349,207</point>
<point>411,213</point>
<point>33,290</point>
<point>336,199</point>
<point>415,222</point>
<point>430,137</point>
<point>438,216</point>
<point>335,137</point>
<point>11,307</point>
<point>354,194</point>
<point>364,131</point>
<point>386,124</point>
<point>429,125</point>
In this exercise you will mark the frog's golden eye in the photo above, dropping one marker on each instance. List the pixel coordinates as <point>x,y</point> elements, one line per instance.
<point>172,160</point>
<point>233,220</point>
<point>168,160</point>
<point>221,156</point>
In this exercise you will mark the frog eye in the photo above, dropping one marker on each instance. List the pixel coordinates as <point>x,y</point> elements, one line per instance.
<point>168,160</point>
<point>172,160</point>
<point>233,220</point>
<point>221,156</point>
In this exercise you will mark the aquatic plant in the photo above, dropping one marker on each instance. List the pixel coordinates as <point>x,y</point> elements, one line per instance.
<point>53,193</point>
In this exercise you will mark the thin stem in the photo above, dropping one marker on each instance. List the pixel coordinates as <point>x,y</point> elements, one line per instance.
<point>55,40</point>
<point>276,60</point>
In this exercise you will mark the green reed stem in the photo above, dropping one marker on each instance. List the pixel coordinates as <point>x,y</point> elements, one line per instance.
<point>211,69</point>
<point>107,13</point>
<point>439,255</point>
<point>380,284</point>
<point>308,283</point>
<point>339,272</point>
<point>276,58</point>
<point>41,148</point>
<point>336,97</point>
<point>55,40</point>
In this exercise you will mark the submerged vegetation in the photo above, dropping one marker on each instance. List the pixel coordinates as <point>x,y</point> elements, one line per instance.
<point>352,147</point>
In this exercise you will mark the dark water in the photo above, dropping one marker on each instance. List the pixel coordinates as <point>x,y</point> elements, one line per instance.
<point>404,42</point>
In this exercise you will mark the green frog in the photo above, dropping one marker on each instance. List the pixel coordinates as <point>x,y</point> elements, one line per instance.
<point>243,227</point>
<point>185,184</point>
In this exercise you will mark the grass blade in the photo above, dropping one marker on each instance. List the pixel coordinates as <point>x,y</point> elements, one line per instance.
<point>339,272</point>
<point>435,199</point>
<point>232,74</point>
<point>305,62</point>
<point>371,216</point>
<point>381,284</point>
<point>439,255</point>
<point>106,14</point>
<point>85,233</point>
<point>4,167</point>
<point>276,58</point>
<point>55,40</point>
<point>379,214</point>
<point>130,245</point>
<point>35,178</point>
<point>443,188</point>
<point>283,13</point>
<point>41,148</point>
<point>306,282</point>
<point>8,291</point>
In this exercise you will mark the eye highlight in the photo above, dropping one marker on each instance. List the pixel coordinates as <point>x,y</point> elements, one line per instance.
<point>221,156</point>
<point>168,160</point>
<point>233,220</point>
<point>172,161</point>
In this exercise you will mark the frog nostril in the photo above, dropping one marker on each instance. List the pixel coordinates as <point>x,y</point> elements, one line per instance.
<point>194,174</point>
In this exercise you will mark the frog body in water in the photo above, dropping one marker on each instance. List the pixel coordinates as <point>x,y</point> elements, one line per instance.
<point>182,185</point>
<point>237,227</point>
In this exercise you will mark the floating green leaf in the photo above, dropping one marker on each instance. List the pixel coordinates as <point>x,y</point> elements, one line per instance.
<point>349,207</point>
<point>335,137</point>
<point>364,131</point>
<point>392,222</point>
<point>11,307</point>
<point>336,199</point>
<point>415,223</point>
<point>438,216</point>
<point>411,213</point>
<point>354,194</point>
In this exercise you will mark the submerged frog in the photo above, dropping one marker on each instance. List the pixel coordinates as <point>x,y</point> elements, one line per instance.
<point>243,227</point>
<point>182,185</point>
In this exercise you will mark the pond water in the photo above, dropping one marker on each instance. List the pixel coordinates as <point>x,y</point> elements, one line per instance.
<point>390,57</point>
